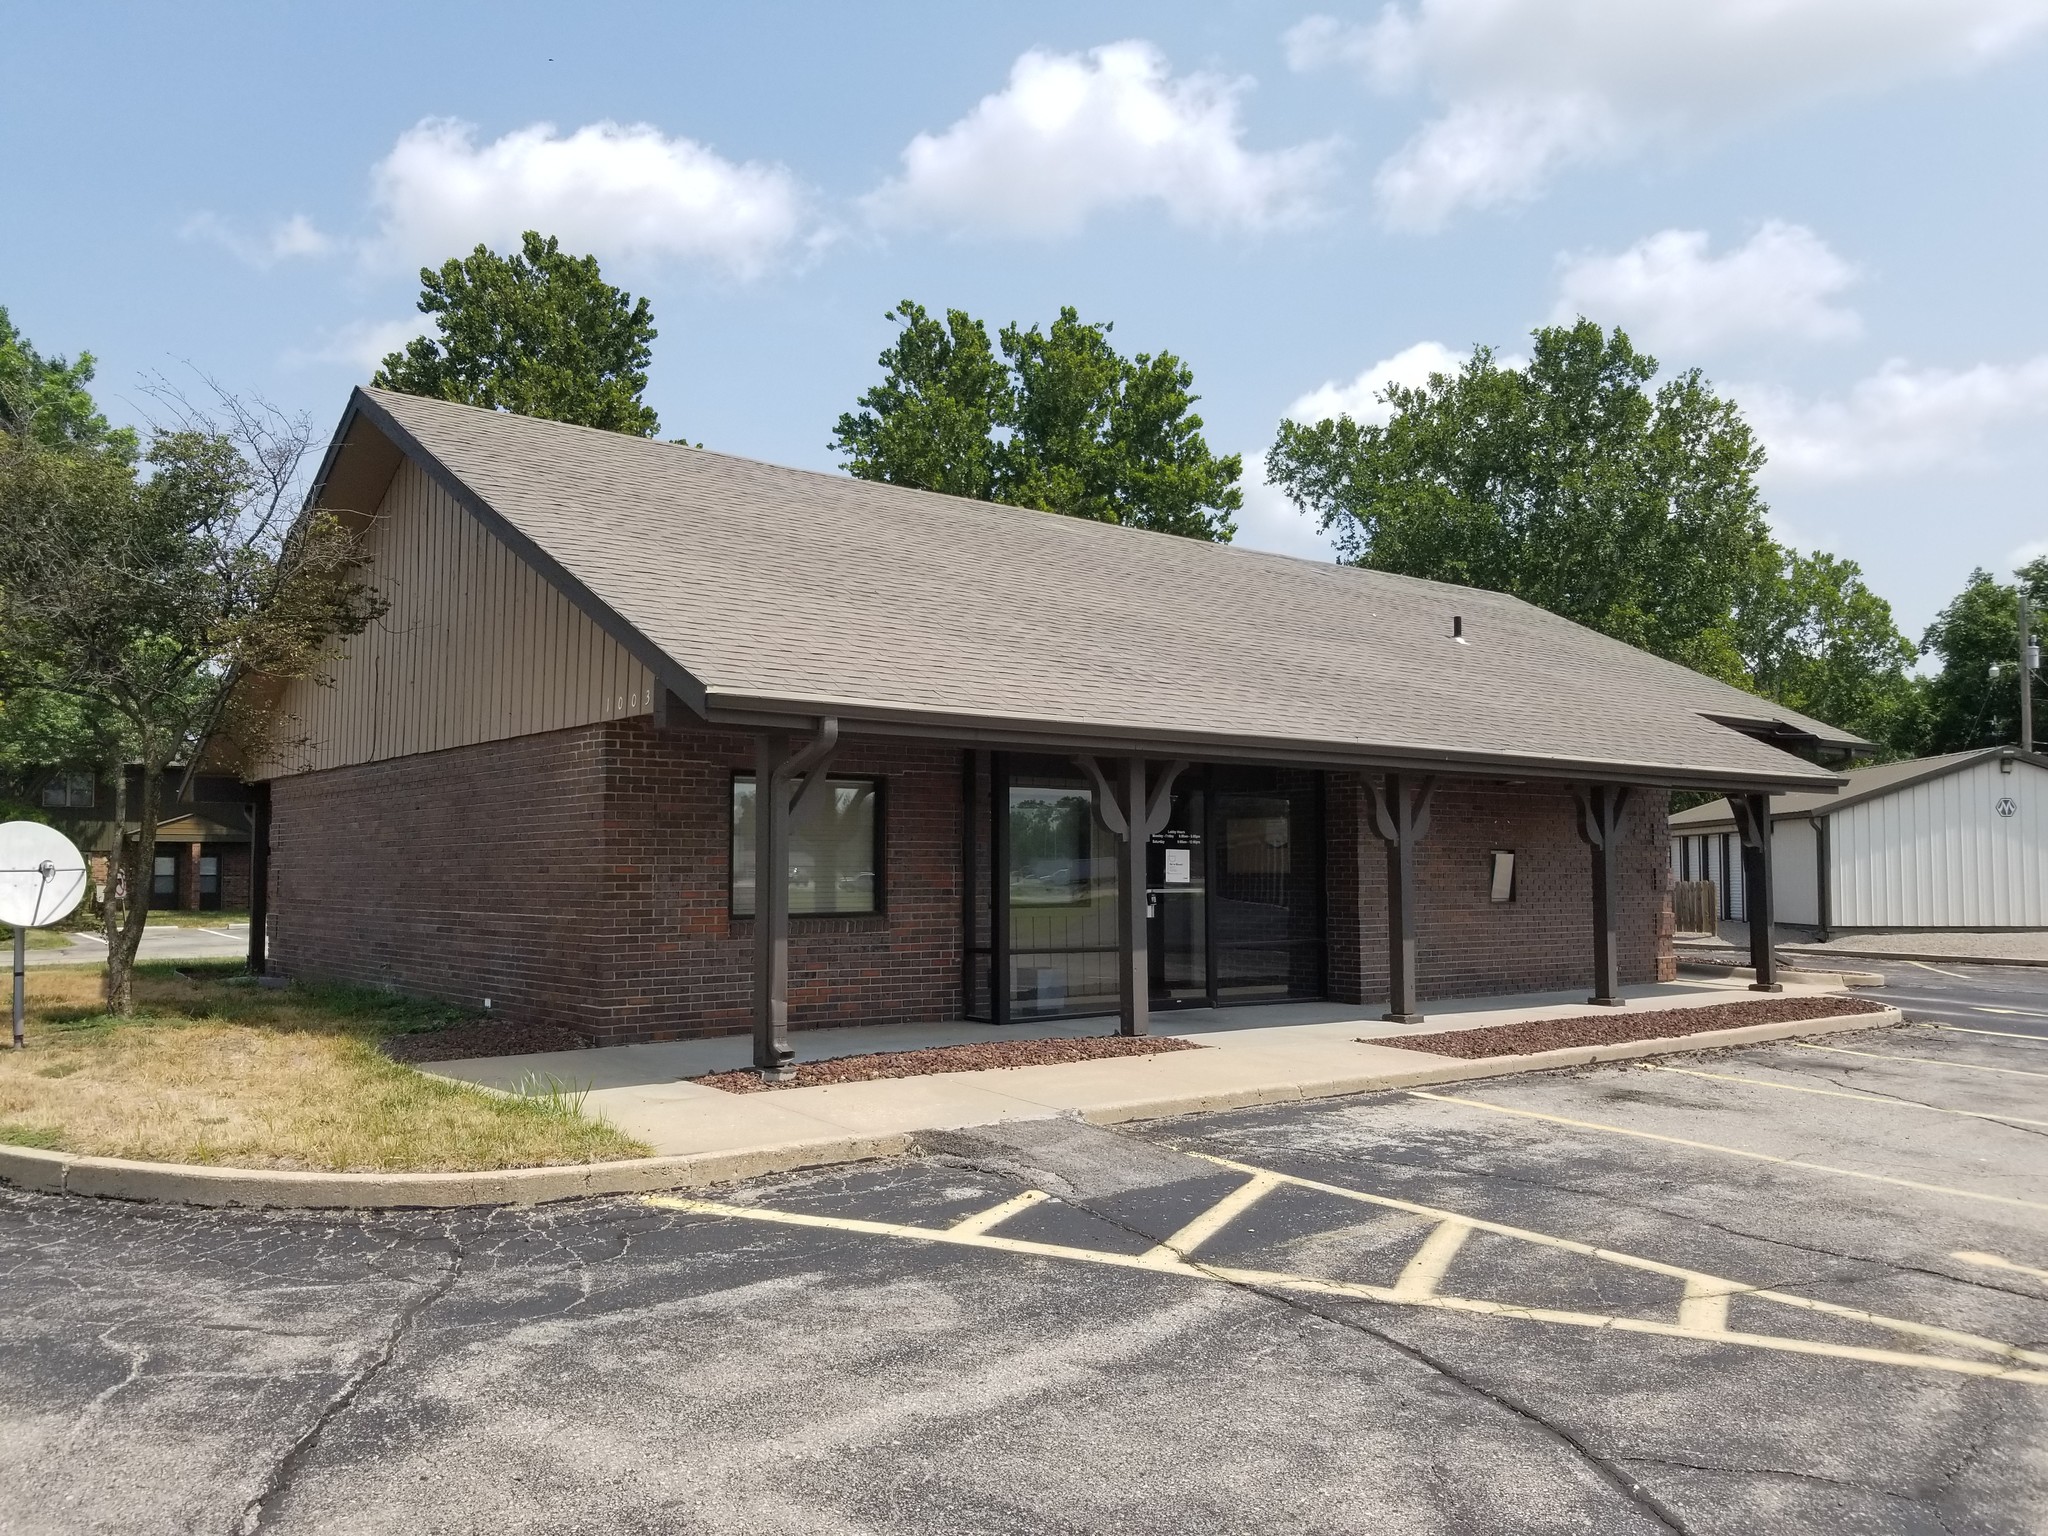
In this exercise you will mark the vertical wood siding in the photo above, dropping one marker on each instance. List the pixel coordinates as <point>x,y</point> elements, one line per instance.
<point>477,646</point>
<point>1938,855</point>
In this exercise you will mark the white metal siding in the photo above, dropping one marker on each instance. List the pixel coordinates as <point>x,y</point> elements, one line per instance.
<point>477,646</point>
<point>1793,876</point>
<point>1938,855</point>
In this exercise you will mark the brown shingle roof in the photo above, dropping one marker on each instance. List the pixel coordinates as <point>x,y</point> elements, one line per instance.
<point>753,587</point>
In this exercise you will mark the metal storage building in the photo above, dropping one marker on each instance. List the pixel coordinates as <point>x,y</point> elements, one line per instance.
<point>1959,841</point>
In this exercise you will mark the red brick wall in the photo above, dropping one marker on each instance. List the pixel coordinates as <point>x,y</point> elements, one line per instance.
<point>1469,945</point>
<point>234,876</point>
<point>581,877</point>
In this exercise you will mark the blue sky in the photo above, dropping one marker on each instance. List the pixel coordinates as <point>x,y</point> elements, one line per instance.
<point>1833,207</point>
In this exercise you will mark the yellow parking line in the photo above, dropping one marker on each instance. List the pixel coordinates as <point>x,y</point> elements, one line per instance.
<point>921,1234</point>
<point>1704,1323</point>
<point>1924,1061</point>
<point>981,1221</point>
<point>1680,1330</point>
<point>1993,1261</point>
<point>1705,1306</point>
<point>1183,1243</point>
<point>1709,1146</point>
<point>1425,1272</point>
<point>1697,1282</point>
<point>1842,1093</point>
<point>2003,1034</point>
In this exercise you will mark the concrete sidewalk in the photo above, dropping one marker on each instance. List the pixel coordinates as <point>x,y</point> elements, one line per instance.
<point>2007,946</point>
<point>1265,1054</point>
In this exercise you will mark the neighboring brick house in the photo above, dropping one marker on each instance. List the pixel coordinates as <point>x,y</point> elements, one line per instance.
<point>534,781</point>
<point>202,848</point>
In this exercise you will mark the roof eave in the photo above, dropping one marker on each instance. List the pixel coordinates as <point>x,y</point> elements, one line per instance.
<point>1064,736</point>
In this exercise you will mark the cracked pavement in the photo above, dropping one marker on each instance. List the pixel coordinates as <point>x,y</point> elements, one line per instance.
<point>610,1366</point>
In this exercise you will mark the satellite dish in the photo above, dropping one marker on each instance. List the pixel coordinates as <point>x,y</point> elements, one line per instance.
<point>42,875</point>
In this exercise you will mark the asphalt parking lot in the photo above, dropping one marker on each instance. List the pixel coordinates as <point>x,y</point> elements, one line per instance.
<point>1785,1288</point>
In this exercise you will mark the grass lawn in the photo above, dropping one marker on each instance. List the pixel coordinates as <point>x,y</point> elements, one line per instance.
<point>217,1070</point>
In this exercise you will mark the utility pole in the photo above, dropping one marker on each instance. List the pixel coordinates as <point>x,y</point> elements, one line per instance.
<point>2030,663</point>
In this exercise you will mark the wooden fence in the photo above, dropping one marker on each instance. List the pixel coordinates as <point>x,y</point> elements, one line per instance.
<point>1697,906</point>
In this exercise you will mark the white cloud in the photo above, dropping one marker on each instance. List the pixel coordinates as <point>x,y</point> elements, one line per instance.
<point>1072,134</point>
<point>1269,521</point>
<point>1669,291</point>
<point>359,346</point>
<point>1528,87</point>
<point>620,191</point>
<point>293,237</point>
<point>1899,420</point>
<point>1360,399</point>
<point>2027,553</point>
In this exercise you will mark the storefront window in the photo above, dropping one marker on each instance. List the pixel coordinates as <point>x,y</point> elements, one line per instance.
<point>1062,889</point>
<point>834,853</point>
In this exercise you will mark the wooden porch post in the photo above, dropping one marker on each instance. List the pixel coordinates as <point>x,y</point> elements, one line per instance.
<point>1402,821</point>
<point>1753,825</point>
<point>1600,811</point>
<point>259,877</point>
<point>784,787</point>
<point>1134,958</point>
<point>1133,814</point>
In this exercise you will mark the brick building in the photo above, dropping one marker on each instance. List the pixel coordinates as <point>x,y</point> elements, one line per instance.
<point>1020,765</point>
<point>202,847</point>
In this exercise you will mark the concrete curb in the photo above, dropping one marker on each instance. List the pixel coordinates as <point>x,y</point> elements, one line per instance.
<point>184,1183</point>
<point>116,1178</point>
<point>1823,954</point>
<point>1459,1071</point>
<point>1788,972</point>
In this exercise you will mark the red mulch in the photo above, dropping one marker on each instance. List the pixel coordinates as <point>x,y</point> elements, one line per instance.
<point>463,1040</point>
<point>978,1057</point>
<point>1621,1024</point>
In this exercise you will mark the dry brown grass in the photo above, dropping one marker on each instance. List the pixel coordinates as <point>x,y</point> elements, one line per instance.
<point>215,1071</point>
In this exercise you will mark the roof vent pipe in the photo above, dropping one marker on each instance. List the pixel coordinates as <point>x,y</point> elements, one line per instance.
<point>1458,628</point>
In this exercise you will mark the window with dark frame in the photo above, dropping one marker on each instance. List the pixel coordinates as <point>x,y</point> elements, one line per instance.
<point>72,791</point>
<point>835,855</point>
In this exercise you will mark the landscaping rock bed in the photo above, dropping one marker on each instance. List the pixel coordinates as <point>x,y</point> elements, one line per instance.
<point>459,1041</point>
<point>979,1057</point>
<point>1620,1025</point>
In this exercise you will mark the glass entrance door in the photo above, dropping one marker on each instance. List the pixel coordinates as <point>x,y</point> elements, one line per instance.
<point>1266,884</point>
<point>1233,890</point>
<point>1176,900</point>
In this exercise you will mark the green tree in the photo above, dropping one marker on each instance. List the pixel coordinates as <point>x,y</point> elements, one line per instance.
<point>1568,482</point>
<point>538,333</point>
<point>1814,637</point>
<point>1063,423</point>
<point>1974,700</point>
<point>149,596</point>
<point>931,422</point>
<point>1111,438</point>
<point>46,399</point>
